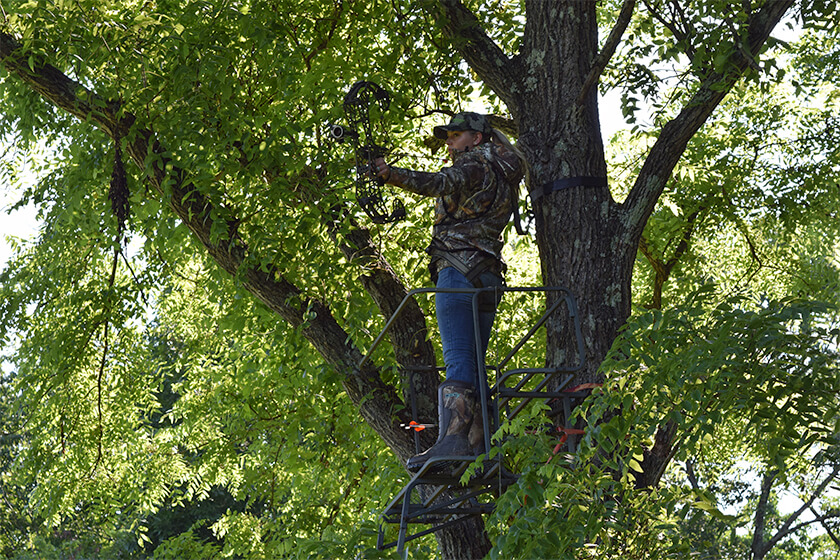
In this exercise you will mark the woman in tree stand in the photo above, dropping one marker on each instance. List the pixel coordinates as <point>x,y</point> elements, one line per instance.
<point>475,198</point>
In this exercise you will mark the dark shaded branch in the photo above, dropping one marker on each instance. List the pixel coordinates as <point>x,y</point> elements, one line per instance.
<point>682,35</point>
<point>662,268</point>
<point>338,8</point>
<point>608,49</point>
<point>101,373</point>
<point>742,227</point>
<point>822,521</point>
<point>676,134</point>
<point>691,474</point>
<point>479,51</point>
<point>760,548</point>
<point>760,524</point>
<point>659,273</point>
<point>657,458</point>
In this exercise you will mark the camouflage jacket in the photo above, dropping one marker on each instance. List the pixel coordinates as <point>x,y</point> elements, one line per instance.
<point>474,203</point>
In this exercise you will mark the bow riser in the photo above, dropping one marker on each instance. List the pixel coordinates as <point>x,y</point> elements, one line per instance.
<point>361,102</point>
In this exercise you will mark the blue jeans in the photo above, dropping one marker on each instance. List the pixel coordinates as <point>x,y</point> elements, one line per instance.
<point>457,328</point>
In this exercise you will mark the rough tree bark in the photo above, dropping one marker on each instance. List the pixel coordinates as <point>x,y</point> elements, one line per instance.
<point>587,240</point>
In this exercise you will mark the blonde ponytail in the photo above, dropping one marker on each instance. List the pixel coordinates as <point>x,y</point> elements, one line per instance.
<point>498,137</point>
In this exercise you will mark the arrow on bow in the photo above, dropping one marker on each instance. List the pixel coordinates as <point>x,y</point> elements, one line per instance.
<point>363,106</point>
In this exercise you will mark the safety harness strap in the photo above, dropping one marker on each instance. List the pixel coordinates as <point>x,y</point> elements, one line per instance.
<point>471,274</point>
<point>567,183</point>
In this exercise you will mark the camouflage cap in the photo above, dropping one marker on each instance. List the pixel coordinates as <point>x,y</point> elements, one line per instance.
<point>464,121</point>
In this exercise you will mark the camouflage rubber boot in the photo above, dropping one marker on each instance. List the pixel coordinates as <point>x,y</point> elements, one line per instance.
<point>456,413</point>
<point>476,435</point>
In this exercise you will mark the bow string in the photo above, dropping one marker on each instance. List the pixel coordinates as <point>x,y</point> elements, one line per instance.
<point>364,105</point>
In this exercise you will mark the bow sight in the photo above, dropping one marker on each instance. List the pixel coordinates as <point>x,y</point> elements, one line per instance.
<point>363,107</point>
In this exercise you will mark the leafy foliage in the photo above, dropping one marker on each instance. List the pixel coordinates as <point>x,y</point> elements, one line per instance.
<point>742,384</point>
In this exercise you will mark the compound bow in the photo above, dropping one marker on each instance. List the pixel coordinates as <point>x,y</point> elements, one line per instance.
<point>363,106</point>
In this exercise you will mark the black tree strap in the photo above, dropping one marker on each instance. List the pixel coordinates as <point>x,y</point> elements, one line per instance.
<point>567,183</point>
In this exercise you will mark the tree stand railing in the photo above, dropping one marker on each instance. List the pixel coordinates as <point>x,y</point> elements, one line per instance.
<point>441,500</point>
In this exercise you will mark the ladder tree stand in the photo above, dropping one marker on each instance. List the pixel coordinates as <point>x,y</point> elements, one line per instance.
<point>434,500</point>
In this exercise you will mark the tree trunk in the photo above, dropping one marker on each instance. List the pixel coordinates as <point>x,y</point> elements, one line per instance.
<point>575,226</point>
<point>587,241</point>
<point>464,541</point>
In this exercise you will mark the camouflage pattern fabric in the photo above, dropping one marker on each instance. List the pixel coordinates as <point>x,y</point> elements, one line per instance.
<point>473,202</point>
<point>464,121</point>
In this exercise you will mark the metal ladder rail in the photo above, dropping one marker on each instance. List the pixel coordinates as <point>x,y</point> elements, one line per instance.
<point>568,298</point>
<point>505,393</point>
<point>441,481</point>
<point>453,510</point>
<point>492,480</point>
<point>499,388</point>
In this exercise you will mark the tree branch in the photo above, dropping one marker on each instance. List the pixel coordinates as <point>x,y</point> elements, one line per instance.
<point>787,527</point>
<point>691,474</point>
<point>482,54</point>
<point>681,35</point>
<point>662,269</point>
<point>676,134</point>
<point>761,514</point>
<point>414,352</point>
<point>822,521</point>
<point>608,49</point>
<point>657,458</point>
